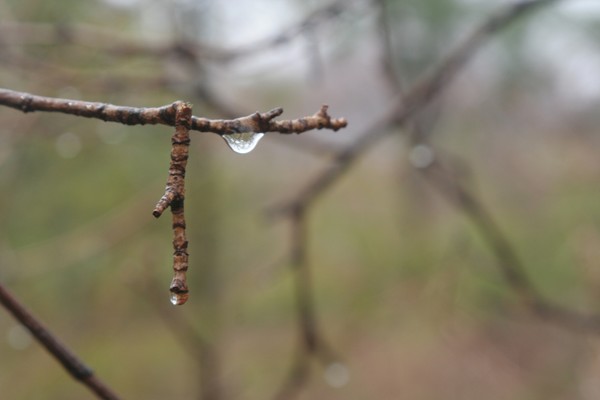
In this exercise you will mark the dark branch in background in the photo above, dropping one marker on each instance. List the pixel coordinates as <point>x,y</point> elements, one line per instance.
<point>195,342</point>
<point>434,82</point>
<point>416,99</point>
<point>165,115</point>
<point>311,342</point>
<point>510,265</point>
<point>387,52</point>
<point>304,299</point>
<point>324,13</point>
<point>15,36</point>
<point>445,181</point>
<point>59,351</point>
<point>455,191</point>
<point>402,110</point>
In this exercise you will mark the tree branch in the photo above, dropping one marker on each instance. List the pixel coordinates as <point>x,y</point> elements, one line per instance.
<point>74,366</point>
<point>405,107</point>
<point>510,265</point>
<point>165,115</point>
<point>442,178</point>
<point>311,341</point>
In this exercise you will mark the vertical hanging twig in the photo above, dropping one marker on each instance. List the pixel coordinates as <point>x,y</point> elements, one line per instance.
<point>312,343</point>
<point>174,197</point>
<point>303,284</point>
<point>299,372</point>
<point>66,357</point>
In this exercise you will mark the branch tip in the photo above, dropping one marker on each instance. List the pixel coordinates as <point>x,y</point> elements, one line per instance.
<point>269,115</point>
<point>323,110</point>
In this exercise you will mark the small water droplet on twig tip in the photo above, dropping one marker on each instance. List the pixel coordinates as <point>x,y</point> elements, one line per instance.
<point>178,299</point>
<point>337,374</point>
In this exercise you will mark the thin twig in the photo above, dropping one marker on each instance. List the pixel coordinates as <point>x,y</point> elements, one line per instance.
<point>311,342</point>
<point>174,197</point>
<point>311,338</point>
<point>296,378</point>
<point>58,350</point>
<point>456,192</point>
<point>509,263</point>
<point>387,52</point>
<point>165,115</point>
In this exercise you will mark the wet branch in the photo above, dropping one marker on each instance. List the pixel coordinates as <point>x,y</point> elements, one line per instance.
<point>74,366</point>
<point>89,36</point>
<point>165,115</point>
<point>177,114</point>
<point>174,197</point>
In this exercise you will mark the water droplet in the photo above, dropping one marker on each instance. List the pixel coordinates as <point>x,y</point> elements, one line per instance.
<point>68,92</point>
<point>337,375</point>
<point>109,135</point>
<point>68,145</point>
<point>421,156</point>
<point>18,337</point>
<point>178,299</point>
<point>244,142</point>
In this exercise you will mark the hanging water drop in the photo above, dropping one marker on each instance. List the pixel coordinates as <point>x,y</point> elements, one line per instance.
<point>243,142</point>
<point>337,375</point>
<point>178,299</point>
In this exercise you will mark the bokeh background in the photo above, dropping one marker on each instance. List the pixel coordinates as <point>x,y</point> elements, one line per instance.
<point>406,292</point>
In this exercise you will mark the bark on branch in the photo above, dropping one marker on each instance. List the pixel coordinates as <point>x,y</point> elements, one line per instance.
<point>165,115</point>
<point>174,197</point>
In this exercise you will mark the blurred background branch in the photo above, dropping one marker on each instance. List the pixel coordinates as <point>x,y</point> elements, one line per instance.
<point>404,290</point>
<point>74,366</point>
